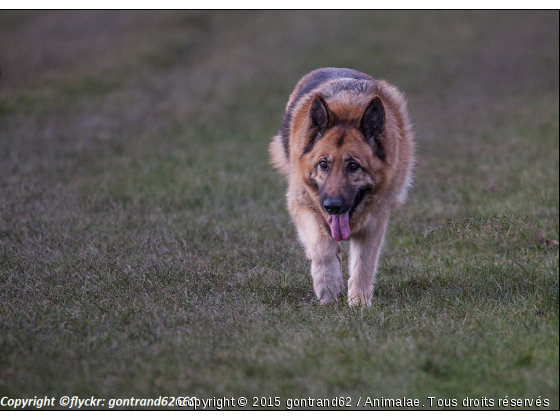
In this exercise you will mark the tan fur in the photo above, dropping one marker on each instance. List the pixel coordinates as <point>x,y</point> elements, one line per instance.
<point>382,181</point>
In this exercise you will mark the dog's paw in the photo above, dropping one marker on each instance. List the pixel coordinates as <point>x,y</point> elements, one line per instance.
<point>329,295</point>
<point>327,301</point>
<point>358,300</point>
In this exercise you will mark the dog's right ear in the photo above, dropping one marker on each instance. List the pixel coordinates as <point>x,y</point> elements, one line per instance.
<point>319,117</point>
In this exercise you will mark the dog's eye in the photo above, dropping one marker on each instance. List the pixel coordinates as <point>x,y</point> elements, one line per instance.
<point>353,166</point>
<point>324,165</point>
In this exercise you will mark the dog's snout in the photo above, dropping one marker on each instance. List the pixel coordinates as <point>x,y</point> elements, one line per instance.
<point>333,205</point>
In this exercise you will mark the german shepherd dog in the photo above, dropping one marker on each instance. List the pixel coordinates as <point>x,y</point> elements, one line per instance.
<point>346,149</point>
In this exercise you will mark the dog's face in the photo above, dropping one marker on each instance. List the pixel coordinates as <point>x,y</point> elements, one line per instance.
<point>345,159</point>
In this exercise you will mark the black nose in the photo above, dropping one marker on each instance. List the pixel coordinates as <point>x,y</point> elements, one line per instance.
<point>333,205</point>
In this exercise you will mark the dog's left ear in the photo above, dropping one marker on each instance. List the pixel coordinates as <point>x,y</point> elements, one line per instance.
<point>372,126</point>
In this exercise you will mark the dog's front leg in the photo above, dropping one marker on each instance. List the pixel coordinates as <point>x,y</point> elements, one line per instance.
<point>364,253</point>
<point>324,253</point>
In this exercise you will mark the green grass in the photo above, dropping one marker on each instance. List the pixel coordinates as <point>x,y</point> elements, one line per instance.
<point>145,248</point>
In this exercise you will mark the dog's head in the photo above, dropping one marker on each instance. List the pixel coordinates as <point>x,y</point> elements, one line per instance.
<point>344,156</point>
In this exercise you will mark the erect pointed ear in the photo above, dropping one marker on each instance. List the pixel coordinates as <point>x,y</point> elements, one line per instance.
<point>372,126</point>
<point>319,115</point>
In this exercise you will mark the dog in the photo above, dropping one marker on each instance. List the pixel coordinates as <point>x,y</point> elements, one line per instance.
<point>346,148</point>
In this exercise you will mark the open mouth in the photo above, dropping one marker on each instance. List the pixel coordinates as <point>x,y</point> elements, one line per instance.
<point>340,223</point>
<point>359,198</point>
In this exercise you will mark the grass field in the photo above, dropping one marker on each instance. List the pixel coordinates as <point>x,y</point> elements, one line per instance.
<point>145,247</point>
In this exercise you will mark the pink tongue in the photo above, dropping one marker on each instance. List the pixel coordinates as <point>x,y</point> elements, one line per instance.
<point>340,226</point>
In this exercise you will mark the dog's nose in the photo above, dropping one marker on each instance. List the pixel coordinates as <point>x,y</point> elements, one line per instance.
<point>333,205</point>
